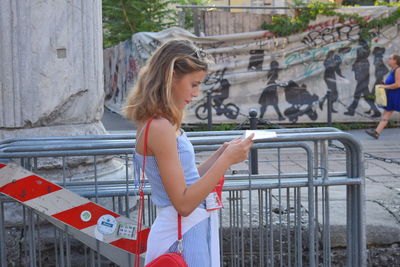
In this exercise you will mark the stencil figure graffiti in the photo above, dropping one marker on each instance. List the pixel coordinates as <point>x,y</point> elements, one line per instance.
<point>219,93</point>
<point>269,95</point>
<point>114,86</point>
<point>256,60</point>
<point>108,81</point>
<point>380,69</point>
<point>298,96</point>
<point>332,64</point>
<point>361,73</point>
<point>132,70</point>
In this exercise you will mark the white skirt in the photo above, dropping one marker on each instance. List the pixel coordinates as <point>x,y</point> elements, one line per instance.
<point>164,232</point>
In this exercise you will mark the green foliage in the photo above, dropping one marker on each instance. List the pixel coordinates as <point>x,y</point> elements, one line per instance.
<point>224,127</point>
<point>284,26</point>
<point>122,18</point>
<point>350,126</point>
<point>358,2</point>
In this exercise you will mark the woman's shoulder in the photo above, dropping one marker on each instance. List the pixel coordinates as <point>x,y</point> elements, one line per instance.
<point>162,130</point>
<point>161,124</point>
<point>160,133</point>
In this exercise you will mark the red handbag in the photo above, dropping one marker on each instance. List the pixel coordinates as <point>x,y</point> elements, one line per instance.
<point>169,259</point>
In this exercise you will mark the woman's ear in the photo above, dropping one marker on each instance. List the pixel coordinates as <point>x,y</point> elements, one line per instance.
<point>174,79</point>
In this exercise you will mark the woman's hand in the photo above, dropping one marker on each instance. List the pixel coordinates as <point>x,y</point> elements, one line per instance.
<point>226,144</point>
<point>236,150</point>
<point>203,167</point>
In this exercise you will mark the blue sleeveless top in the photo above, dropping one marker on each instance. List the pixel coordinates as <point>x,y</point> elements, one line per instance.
<point>392,95</point>
<point>186,157</point>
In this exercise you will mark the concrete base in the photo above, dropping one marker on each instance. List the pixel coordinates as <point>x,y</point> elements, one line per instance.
<point>93,128</point>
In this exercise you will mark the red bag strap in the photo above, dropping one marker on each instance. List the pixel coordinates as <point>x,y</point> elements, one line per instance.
<point>180,246</point>
<point>146,135</point>
<point>141,200</point>
<point>141,195</point>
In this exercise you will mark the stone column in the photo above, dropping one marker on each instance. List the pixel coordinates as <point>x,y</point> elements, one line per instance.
<point>51,68</point>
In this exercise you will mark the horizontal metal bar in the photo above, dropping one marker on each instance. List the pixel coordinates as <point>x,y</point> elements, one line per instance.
<point>110,147</point>
<point>71,146</point>
<point>133,135</point>
<point>292,137</point>
<point>109,191</point>
<point>227,178</point>
<point>75,137</point>
<point>238,7</point>
<point>99,152</point>
<point>291,184</point>
<point>286,130</point>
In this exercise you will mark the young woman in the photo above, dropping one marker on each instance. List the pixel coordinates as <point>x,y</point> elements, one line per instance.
<point>168,82</point>
<point>392,86</point>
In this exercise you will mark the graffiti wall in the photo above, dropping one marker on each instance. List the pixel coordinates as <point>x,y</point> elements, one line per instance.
<point>285,79</point>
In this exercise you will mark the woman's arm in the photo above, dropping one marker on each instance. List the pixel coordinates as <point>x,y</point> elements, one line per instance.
<point>187,198</point>
<point>396,84</point>
<point>203,167</point>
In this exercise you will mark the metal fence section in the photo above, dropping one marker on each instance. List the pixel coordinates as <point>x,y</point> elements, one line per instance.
<point>218,19</point>
<point>278,217</point>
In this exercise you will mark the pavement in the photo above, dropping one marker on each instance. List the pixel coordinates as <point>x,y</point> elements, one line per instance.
<point>115,123</point>
<point>382,186</point>
<point>382,181</point>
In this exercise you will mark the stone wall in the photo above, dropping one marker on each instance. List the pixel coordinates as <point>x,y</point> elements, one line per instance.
<point>51,68</point>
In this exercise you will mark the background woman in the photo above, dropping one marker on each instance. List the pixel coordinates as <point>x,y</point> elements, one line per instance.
<point>392,86</point>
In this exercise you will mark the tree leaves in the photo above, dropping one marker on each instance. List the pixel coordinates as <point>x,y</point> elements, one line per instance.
<point>123,18</point>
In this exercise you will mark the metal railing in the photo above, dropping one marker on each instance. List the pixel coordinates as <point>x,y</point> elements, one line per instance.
<point>278,217</point>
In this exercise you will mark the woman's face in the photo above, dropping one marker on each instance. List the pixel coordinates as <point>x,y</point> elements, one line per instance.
<point>185,88</point>
<point>392,62</point>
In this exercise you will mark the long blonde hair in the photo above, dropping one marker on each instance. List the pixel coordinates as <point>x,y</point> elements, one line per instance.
<point>152,95</point>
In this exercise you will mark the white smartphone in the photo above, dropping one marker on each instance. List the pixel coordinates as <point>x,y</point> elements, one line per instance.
<point>259,134</point>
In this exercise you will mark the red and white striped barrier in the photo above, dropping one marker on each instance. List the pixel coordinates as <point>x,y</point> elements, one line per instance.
<point>83,219</point>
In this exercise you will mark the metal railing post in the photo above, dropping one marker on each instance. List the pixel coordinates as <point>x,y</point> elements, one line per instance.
<point>329,108</point>
<point>209,110</point>
<point>196,22</point>
<point>3,252</point>
<point>181,18</point>
<point>253,152</point>
<point>356,210</point>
